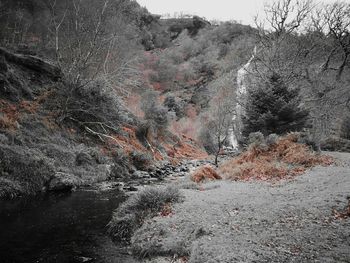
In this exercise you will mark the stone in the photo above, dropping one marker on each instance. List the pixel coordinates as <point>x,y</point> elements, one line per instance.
<point>84,259</point>
<point>140,175</point>
<point>63,182</point>
<point>130,188</point>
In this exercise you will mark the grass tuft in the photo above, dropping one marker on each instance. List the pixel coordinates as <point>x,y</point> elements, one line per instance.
<point>9,189</point>
<point>141,206</point>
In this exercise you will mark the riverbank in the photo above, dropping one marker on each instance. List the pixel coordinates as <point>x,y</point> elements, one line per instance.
<point>295,220</point>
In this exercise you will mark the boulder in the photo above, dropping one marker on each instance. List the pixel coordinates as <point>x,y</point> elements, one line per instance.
<point>63,182</point>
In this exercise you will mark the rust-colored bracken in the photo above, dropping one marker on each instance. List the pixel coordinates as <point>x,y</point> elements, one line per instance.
<point>284,159</point>
<point>205,173</point>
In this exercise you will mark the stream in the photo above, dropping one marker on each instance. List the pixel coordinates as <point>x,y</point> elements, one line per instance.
<point>66,227</point>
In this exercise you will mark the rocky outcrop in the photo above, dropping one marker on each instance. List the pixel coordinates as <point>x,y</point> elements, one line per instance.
<point>177,25</point>
<point>32,63</point>
<point>64,182</point>
<point>158,33</point>
<point>25,76</point>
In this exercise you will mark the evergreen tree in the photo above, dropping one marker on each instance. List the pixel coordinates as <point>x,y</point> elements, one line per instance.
<point>273,108</point>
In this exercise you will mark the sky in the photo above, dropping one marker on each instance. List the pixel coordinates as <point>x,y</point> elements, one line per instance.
<point>225,10</point>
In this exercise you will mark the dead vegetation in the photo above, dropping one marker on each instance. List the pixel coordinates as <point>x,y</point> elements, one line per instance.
<point>185,148</point>
<point>284,159</point>
<point>344,214</point>
<point>205,173</point>
<point>10,113</point>
<point>154,148</point>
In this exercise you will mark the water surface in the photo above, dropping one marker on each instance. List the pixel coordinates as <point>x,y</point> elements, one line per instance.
<point>68,227</point>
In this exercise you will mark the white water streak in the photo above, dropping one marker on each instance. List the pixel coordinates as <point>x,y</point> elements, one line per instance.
<point>241,93</point>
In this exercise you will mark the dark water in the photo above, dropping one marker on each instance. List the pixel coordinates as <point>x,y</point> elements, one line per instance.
<point>57,228</point>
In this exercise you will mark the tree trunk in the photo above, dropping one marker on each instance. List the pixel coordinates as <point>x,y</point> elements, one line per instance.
<point>217,155</point>
<point>342,66</point>
<point>216,159</point>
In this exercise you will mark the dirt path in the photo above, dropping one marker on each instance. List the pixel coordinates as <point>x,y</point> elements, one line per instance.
<point>257,222</point>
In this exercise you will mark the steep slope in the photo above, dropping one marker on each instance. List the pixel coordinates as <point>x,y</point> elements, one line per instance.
<point>56,136</point>
<point>39,149</point>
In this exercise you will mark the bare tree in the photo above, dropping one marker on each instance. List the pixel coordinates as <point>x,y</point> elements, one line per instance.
<point>308,46</point>
<point>279,50</point>
<point>15,23</point>
<point>55,25</point>
<point>89,39</point>
<point>287,16</point>
<point>337,19</point>
<point>79,37</point>
<point>219,123</point>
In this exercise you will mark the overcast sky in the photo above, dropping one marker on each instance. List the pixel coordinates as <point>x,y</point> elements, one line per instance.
<point>224,10</point>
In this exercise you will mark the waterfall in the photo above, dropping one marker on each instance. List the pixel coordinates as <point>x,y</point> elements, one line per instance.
<point>241,93</point>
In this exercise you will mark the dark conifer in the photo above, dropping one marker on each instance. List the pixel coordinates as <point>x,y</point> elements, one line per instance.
<point>274,108</point>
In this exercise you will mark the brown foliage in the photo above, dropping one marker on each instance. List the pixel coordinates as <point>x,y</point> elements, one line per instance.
<point>285,159</point>
<point>205,173</point>
<point>128,143</point>
<point>29,106</point>
<point>9,115</point>
<point>185,148</point>
<point>342,214</point>
<point>167,210</point>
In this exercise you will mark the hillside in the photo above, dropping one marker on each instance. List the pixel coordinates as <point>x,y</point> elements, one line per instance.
<point>55,137</point>
<point>63,129</point>
<point>126,136</point>
<point>162,91</point>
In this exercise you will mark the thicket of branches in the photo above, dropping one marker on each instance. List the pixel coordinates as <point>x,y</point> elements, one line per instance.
<point>87,39</point>
<point>307,44</point>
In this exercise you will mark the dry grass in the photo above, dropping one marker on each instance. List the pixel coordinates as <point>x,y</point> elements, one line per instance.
<point>128,143</point>
<point>284,159</point>
<point>205,173</point>
<point>8,123</point>
<point>167,210</point>
<point>145,204</point>
<point>133,102</point>
<point>9,115</point>
<point>186,148</point>
<point>342,214</point>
